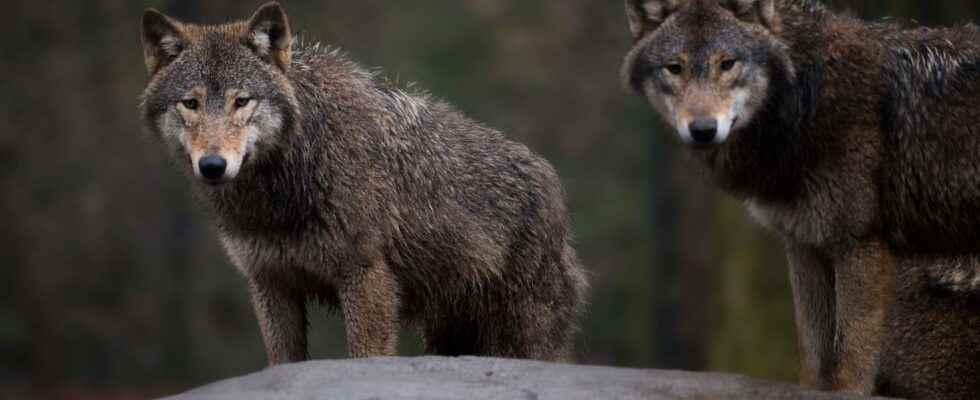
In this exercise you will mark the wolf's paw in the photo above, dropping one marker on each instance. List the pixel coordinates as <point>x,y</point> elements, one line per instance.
<point>958,275</point>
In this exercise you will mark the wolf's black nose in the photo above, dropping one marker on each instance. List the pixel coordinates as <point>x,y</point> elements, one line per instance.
<point>212,167</point>
<point>703,131</point>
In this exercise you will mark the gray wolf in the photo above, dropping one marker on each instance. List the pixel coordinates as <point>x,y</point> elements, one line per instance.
<point>856,142</point>
<point>328,183</point>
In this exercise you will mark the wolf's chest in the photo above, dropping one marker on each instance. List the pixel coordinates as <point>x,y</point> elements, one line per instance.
<point>253,254</point>
<point>799,223</point>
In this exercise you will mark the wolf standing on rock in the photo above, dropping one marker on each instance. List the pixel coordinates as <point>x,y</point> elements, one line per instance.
<point>857,142</point>
<point>329,184</point>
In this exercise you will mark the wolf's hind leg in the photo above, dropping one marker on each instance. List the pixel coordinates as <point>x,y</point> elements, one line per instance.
<point>369,299</point>
<point>528,330</point>
<point>523,331</point>
<point>542,325</point>
<point>452,338</point>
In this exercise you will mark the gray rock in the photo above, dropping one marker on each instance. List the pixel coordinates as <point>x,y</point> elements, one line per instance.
<point>473,378</point>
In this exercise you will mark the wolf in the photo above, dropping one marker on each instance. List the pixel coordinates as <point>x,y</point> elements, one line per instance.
<point>855,142</point>
<point>329,183</point>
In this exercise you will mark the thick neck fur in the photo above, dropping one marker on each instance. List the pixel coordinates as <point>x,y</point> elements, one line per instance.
<point>836,62</point>
<point>294,186</point>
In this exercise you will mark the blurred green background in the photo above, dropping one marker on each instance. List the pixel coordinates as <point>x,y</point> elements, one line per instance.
<point>113,284</point>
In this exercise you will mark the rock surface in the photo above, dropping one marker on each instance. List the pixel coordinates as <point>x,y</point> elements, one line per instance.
<point>473,378</point>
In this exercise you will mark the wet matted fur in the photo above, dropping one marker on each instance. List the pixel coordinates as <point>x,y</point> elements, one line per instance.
<point>856,142</point>
<point>329,183</point>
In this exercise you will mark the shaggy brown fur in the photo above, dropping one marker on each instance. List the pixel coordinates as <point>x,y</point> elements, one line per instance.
<point>863,154</point>
<point>339,187</point>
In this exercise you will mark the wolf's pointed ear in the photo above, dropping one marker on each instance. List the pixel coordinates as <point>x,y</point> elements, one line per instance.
<point>647,15</point>
<point>762,12</point>
<point>269,35</point>
<point>767,14</point>
<point>163,40</point>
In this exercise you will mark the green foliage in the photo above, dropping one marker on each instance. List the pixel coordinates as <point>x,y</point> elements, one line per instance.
<point>753,313</point>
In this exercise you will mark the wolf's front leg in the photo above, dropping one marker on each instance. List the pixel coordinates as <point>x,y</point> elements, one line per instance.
<point>812,279</point>
<point>863,290</point>
<point>370,299</point>
<point>281,312</point>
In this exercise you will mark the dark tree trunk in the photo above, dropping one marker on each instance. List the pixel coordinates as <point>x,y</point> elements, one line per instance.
<point>682,203</point>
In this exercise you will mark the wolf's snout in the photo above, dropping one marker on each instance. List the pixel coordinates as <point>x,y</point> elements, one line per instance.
<point>212,167</point>
<point>704,130</point>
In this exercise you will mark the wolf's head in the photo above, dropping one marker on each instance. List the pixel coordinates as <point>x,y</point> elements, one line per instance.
<point>706,66</point>
<point>219,94</point>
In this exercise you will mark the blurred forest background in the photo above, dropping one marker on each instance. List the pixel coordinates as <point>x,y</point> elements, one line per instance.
<point>114,286</point>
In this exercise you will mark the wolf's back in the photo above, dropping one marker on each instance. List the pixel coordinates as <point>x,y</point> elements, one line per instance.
<point>931,144</point>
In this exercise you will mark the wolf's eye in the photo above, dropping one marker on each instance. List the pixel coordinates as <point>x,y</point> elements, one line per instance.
<point>675,69</point>
<point>190,104</point>
<point>242,102</point>
<point>727,65</point>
